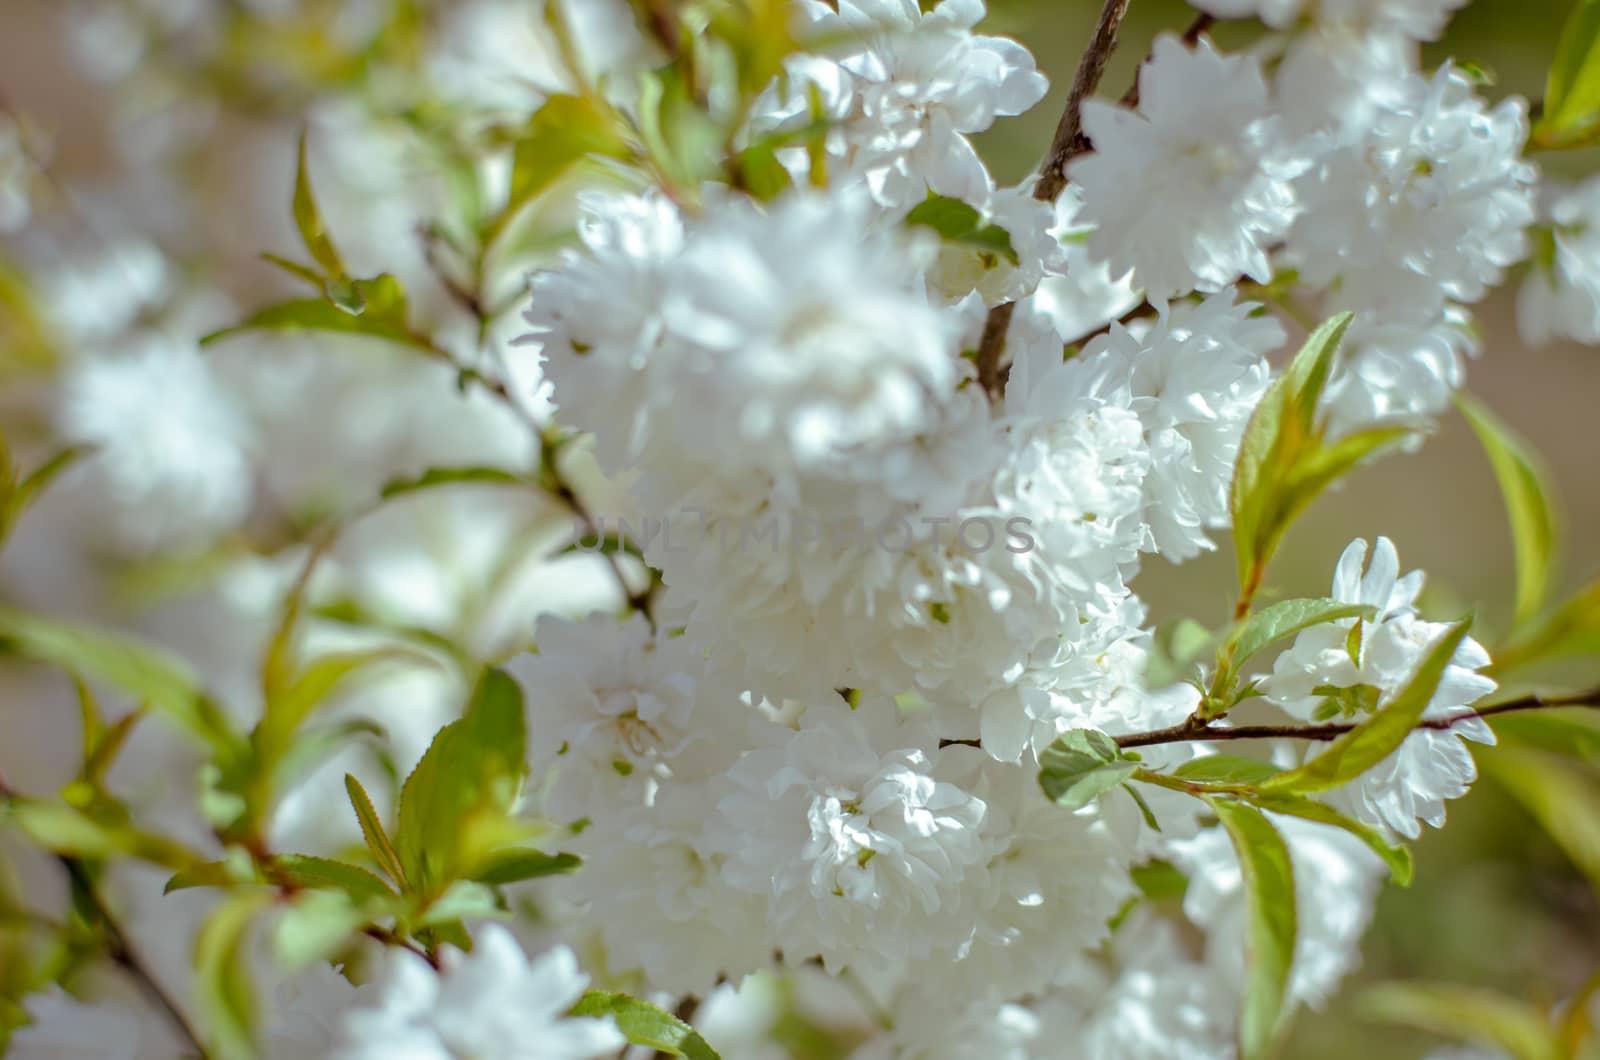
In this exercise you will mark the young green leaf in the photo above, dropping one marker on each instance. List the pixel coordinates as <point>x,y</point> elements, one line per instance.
<point>644,1024</point>
<point>959,222</point>
<point>15,499</point>
<point>313,925</point>
<point>1525,485</point>
<point>1082,765</point>
<point>308,219</point>
<point>222,975</point>
<point>1269,944</point>
<point>1279,433</point>
<point>473,766</point>
<point>76,833</point>
<point>514,866</point>
<point>377,839</point>
<point>1573,629</point>
<point>1226,769</point>
<point>304,870</point>
<point>1395,855</point>
<point>1571,116</point>
<point>142,671</point>
<point>561,133</point>
<point>448,476</point>
<point>1376,738</point>
<point>1465,1014</point>
<point>1283,620</point>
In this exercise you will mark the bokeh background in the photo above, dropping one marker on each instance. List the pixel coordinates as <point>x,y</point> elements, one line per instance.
<point>1495,903</point>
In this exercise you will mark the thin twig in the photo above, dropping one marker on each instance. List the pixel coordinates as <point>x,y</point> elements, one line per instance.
<point>1069,142</point>
<point>1194,728</point>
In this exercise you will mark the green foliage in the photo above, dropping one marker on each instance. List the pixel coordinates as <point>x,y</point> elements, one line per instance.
<point>1376,738</point>
<point>563,132</point>
<point>1562,795</point>
<point>18,491</point>
<point>1572,629</point>
<point>1082,765</point>
<point>1226,769</point>
<point>222,975</point>
<point>1525,484</point>
<point>1285,461</point>
<point>960,223</point>
<point>454,808</point>
<point>378,842</point>
<point>308,219</point>
<point>645,1024</point>
<point>146,673</point>
<point>1283,620</point>
<point>1571,116</point>
<point>434,477</point>
<point>1465,1014</point>
<point>1397,857</point>
<point>1273,922</point>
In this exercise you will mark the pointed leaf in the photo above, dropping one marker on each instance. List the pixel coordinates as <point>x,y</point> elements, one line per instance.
<point>1378,737</point>
<point>1571,115</point>
<point>1283,620</point>
<point>645,1024</point>
<point>1395,855</point>
<point>1562,796</point>
<point>514,866</point>
<point>1465,1014</point>
<point>383,851</point>
<point>1525,485</point>
<point>1082,765</point>
<point>308,219</point>
<point>1270,941</point>
<point>222,975</point>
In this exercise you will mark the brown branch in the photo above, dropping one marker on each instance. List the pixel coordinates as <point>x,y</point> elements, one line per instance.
<point>1068,143</point>
<point>1191,36</point>
<point>1195,728</point>
<point>122,953</point>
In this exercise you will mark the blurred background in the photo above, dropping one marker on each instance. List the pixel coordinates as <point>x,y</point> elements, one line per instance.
<point>1495,902</point>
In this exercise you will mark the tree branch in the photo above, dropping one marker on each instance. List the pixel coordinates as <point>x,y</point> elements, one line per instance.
<point>1196,728</point>
<point>1068,143</point>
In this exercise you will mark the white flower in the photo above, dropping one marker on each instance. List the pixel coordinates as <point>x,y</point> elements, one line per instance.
<point>1329,671</point>
<point>611,706</point>
<point>860,848</point>
<point>1428,205</point>
<point>1561,296</point>
<point>1146,999</point>
<point>919,84</point>
<point>172,454</point>
<point>490,1004</point>
<point>962,268</point>
<point>1414,19</point>
<point>1055,880</point>
<point>1191,189</point>
<point>1084,296</point>
<point>1398,372</point>
<point>1193,377</point>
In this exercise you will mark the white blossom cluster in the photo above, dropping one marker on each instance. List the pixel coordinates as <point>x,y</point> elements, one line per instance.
<point>803,776</point>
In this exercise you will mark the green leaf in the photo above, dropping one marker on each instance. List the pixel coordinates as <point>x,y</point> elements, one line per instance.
<point>645,1024</point>
<point>382,850</point>
<point>1574,629</point>
<point>305,870</point>
<point>960,222</point>
<point>287,711</point>
<point>15,499</point>
<point>73,832</point>
<point>472,768</point>
<point>448,476</point>
<point>222,976</point>
<point>561,133</point>
<point>462,900</point>
<point>1283,620</point>
<point>1279,434</point>
<point>1226,769</point>
<point>375,308</point>
<point>513,866</point>
<point>1376,738</point>
<point>1571,116</point>
<point>1563,796</point>
<point>144,672</point>
<point>1525,484</point>
<point>233,870</point>
<point>1396,856</point>
<point>313,926</point>
<point>1082,765</point>
<point>308,219</point>
<point>1269,944</point>
<point>1464,1013</point>
<point>762,175</point>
